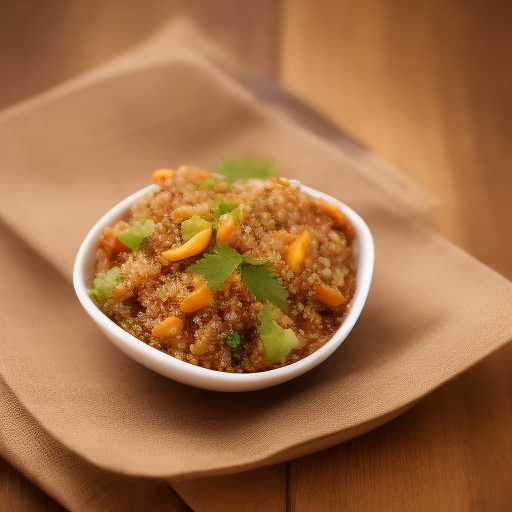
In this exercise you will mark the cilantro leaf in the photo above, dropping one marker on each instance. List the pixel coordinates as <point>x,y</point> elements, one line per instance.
<point>233,340</point>
<point>249,258</point>
<point>217,267</point>
<point>264,283</point>
<point>104,283</point>
<point>134,237</point>
<point>244,169</point>
<point>278,342</point>
<point>192,226</point>
<point>227,251</point>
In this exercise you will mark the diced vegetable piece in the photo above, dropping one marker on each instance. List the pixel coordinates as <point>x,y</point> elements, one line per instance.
<point>220,208</point>
<point>193,226</point>
<point>110,242</point>
<point>197,299</point>
<point>104,284</point>
<point>278,342</point>
<point>168,328</point>
<point>329,295</point>
<point>195,245</point>
<point>182,213</point>
<point>338,217</point>
<point>233,340</point>
<point>134,237</point>
<point>160,175</point>
<point>121,292</point>
<point>207,184</point>
<point>200,346</point>
<point>226,229</point>
<point>295,254</point>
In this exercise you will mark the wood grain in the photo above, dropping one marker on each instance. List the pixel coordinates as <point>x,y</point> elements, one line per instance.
<point>429,86</point>
<point>451,452</point>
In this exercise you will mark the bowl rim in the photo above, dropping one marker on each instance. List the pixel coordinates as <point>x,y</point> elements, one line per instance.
<point>203,377</point>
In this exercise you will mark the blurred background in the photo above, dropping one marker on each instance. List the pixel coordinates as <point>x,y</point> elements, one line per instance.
<point>426,84</point>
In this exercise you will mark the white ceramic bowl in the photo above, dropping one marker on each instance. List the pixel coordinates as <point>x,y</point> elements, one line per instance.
<point>202,377</point>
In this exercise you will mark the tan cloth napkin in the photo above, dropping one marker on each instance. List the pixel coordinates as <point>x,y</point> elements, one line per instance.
<point>100,432</point>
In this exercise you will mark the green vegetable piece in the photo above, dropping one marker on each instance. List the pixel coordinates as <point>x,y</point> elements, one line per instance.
<point>233,340</point>
<point>220,208</point>
<point>278,342</point>
<point>216,267</point>
<point>207,184</point>
<point>134,237</point>
<point>264,283</point>
<point>104,283</point>
<point>235,215</point>
<point>192,226</point>
<point>243,169</point>
<point>162,292</point>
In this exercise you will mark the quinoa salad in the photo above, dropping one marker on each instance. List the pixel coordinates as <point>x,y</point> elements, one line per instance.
<point>230,275</point>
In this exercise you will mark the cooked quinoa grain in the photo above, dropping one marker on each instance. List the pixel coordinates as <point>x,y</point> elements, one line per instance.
<point>241,277</point>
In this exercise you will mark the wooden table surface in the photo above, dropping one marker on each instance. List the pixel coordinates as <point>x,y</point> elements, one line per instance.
<point>427,85</point>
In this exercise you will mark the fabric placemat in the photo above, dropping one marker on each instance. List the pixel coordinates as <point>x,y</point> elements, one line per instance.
<point>87,423</point>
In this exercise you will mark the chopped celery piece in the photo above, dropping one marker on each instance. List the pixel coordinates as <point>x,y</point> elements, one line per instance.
<point>220,208</point>
<point>192,226</point>
<point>233,340</point>
<point>278,342</point>
<point>207,184</point>
<point>235,215</point>
<point>134,237</point>
<point>104,283</point>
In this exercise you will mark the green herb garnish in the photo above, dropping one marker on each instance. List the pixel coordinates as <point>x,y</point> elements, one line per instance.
<point>104,283</point>
<point>217,267</point>
<point>233,340</point>
<point>134,237</point>
<point>249,258</point>
<point>243,169</point>
<point>259,276</point>
<point>192,226</point>
<point>278,342</point>
<point>264,282</point>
